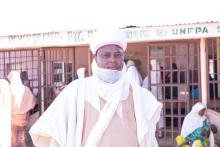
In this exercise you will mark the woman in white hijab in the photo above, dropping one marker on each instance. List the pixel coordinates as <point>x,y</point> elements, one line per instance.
<point>22,102</point>
<point>5,114</point>
<point>195,120</point>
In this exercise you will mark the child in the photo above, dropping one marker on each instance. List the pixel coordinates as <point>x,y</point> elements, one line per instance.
<point>199,136</point>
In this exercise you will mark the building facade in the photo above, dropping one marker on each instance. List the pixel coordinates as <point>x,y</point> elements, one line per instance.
<point>188,56</point>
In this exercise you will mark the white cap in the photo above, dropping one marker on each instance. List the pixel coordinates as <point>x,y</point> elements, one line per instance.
<point>130,63</point>
<point>108,37</point>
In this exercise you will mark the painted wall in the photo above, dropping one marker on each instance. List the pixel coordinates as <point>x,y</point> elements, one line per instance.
<point>81,57</point>
<point>138,53</point>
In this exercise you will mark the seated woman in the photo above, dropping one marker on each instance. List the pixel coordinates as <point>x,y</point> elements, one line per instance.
<point>194,120</point>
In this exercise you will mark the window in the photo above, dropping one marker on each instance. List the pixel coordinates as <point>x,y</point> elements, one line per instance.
<point>62,73</point>
<point>14,66</point>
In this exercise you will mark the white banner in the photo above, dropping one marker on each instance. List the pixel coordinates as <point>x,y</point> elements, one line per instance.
<point>74,38</point>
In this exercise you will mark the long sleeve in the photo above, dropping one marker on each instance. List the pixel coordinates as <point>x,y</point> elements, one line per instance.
<point>147,113</point>
<point>52,128</point>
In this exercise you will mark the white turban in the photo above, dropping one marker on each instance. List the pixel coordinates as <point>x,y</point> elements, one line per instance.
<point>108,37</point>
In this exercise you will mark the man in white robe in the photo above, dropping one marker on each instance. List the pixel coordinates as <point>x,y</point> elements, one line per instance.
<point>5,114</point>
<point>103,109</point>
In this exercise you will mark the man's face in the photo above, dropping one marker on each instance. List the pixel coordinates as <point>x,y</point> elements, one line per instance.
<point>110,57</point>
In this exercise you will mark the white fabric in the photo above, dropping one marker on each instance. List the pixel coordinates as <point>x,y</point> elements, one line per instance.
<point>130,63</point>
<point>60,124</point>
<point>16,87</point>
<point>193,121</point>
<point>106,37</point>
<point>104,119</point>
<point>107,75</point>
<point>108,91</point>
<point>147,113</point>
<point>81,72</point>
<point>152,82</point>
<point>5,114</point>
<point>133,75</point>
<point>113,94</point>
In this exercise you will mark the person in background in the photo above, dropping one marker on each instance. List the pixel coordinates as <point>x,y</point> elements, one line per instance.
<point>22,102</point>
<point>133,75</point>
<point>24,79</point>
<point>26,82</point>
<point>103,109</point>
<point>194,120</point>
<point>56,91</point>
<point>152,82</point>
<point>175,80</point>
<point>5,114</point>
<point>172,78</point>
<point>82,72</point>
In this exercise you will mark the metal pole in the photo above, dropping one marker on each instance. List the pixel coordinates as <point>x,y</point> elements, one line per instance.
<point>42,80</point>
<point>204,82</point>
